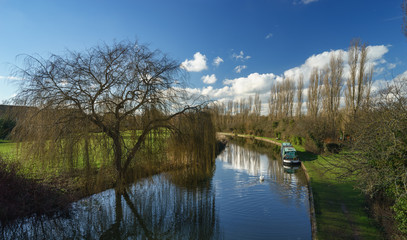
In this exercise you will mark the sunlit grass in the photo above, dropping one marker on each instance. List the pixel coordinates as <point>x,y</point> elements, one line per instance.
<point>54,168</point>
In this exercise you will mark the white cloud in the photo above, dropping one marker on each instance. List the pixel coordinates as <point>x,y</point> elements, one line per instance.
<point>376,53</point>
<point>243,87</point>
<point>308,1</point>
<point>391,65</point>
<point>195,65</point>
<point>209,79</point>
<point>269,35</point>
<point>379,70</point>
<point>217,61</point>
<point>212,93</point>
<point>240,56</point>
<point>253,83</point>
<point>375,58</point>
<point>9,78</point>
<point>239,68</point>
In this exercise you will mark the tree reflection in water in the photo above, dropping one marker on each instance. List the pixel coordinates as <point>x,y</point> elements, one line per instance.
<point>259,158</point>
<point>181,205</point>
<point>153,208</point>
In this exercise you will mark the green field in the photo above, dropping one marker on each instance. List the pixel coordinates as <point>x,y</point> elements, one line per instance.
<point>7,148</point>
<point>69,172</point>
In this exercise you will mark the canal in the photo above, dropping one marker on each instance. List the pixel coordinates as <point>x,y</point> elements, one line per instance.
<point>229,202</point>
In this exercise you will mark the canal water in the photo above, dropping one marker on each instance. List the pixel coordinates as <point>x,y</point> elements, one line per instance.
<point>230,203</point>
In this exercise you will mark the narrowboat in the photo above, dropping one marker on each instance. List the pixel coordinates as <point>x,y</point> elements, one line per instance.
<point>289,154</point>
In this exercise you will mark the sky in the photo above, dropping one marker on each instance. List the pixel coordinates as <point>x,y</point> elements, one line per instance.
<point>231,49</point>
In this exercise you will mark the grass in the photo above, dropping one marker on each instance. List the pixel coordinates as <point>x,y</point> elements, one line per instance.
<point>36,185</point>
<point>7,148</point>
<point>77,182</point>
<point>341,211</point>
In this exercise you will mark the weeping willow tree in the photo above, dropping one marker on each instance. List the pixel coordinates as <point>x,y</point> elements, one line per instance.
<point>101,106</point>
<point>193,146</point>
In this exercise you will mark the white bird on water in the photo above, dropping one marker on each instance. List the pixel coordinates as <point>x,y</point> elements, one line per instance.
<point>261,178</point>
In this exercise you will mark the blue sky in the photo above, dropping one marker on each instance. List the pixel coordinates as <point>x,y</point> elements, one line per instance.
<point>259,41</point>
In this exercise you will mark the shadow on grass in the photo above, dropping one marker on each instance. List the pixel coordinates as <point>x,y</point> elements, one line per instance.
<point>21,197</point>
<point>341,212</point>
<point>307,156</point>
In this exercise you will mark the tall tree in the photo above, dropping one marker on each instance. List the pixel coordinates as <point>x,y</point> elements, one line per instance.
<point>114,88</point>
<point>314,93</point>
<point>332,89</point>
<point>358,85</point>
<point>300,87</point>
<point>257,105</point>
<point>273,102</point>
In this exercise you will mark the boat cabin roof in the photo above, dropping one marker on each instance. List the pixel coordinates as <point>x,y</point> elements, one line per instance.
<point>286,144</point>
<point>289,149</point>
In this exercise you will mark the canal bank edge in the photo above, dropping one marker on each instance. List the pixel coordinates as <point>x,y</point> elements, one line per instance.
<point>310,196</point>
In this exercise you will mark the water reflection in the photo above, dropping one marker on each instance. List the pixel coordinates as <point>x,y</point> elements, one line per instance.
<point>151,209</point>
<point>261,161</point>
<point>199,203</point>
<point>256,209</point>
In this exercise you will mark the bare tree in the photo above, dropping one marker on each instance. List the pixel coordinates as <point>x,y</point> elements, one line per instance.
<point>273,102</point>
<point>290,92</point>
<point>314,93</point>
<point>332,89</point>
<point>114,89</point>
<point>250,104</point>
<point>257,105</point>
<point>358,85</point>
<point>300,87</point>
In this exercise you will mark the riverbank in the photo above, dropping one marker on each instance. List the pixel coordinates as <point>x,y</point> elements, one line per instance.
<point>28,189</point>
<point>340,210</point>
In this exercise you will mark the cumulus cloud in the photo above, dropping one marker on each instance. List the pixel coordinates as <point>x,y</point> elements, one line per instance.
<point>375,58</point>
<point>217,61</point>
<point>269,35</point>
<point>239,68</point>
<point>243,87</point>
<point>209,79</point>
<point>253,83</point>
<point>195,65</point>
<point>240,56</point>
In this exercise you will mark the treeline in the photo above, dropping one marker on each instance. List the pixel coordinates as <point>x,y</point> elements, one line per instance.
<point>331,103</point>
<point>340,112</point>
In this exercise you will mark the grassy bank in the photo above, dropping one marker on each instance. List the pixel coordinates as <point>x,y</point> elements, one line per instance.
<point>76,181</point>
<point>341,210</point>
<point>20,178</point>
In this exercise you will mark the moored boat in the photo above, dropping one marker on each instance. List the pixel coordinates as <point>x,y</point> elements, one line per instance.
<point>289,154</point>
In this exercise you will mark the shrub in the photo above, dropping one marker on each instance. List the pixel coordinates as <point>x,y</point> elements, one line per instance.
<point>332,147</point>
<point>400,209</point>
<point>313,145</point>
